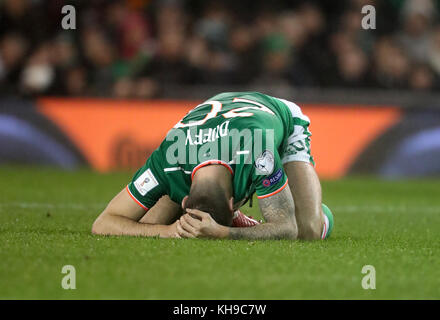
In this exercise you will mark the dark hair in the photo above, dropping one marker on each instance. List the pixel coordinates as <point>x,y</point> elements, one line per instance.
<point>210,198</point>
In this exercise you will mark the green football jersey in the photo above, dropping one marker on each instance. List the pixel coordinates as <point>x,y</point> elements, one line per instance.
<point>244,131</point>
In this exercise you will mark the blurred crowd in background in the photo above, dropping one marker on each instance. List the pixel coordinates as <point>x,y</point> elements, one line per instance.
<point>135,48</point>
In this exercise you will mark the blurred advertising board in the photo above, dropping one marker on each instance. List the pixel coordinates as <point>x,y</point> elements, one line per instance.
<point>115,134</point>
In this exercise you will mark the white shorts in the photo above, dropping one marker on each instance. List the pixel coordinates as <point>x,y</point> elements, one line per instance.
<point>298,143</point>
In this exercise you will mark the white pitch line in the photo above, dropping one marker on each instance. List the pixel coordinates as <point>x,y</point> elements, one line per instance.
<point>344,208</point>
<point>385,208</point>
<point>42,205</point>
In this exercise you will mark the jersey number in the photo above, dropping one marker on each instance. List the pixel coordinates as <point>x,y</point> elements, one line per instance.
<point>216,107</point>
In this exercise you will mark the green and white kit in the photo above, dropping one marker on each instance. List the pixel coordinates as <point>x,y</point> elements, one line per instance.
<point>250,133</point>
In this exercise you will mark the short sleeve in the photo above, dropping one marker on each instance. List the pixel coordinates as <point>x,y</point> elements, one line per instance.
<point>145,189</point>
<point>269,176</point>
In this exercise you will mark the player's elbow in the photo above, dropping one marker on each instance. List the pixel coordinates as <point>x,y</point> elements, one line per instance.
<point>99,226</point>
<point>290,231</point>
<point>293,232</point>
<point>96,227</point>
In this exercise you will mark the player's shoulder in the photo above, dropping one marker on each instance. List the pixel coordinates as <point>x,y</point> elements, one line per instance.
<point>230,96</point>
<point>295,110</point>
<point>274,103</point>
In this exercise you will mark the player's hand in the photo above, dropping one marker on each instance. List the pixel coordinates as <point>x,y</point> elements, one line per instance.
<point>199,224</point>
<point>171,231</point>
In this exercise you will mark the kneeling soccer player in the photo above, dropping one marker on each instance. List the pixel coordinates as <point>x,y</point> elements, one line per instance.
<point>212,162</point>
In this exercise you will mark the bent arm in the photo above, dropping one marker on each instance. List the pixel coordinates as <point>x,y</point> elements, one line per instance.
<point>307,195</point>
<point>279,213</point>
<point>123,216</point>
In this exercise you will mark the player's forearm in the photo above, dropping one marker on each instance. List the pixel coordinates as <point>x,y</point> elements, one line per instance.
<point>265,231</point>
<point>279,212</point>
<point>118,226</point>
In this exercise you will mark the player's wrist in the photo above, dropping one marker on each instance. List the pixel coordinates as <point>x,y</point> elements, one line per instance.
<point>223,232</point>
<point>167,231</point>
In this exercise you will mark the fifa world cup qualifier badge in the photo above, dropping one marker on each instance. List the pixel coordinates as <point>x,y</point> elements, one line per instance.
<point>145,182</point>
<point>265,163</point>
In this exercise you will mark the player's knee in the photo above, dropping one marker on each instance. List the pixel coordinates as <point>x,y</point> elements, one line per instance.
<point>311,229</point>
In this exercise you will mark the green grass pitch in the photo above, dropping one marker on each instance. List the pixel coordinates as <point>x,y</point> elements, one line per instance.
<point>46,216</point>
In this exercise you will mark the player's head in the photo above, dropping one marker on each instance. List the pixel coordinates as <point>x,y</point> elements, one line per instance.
<point>211,191</point>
